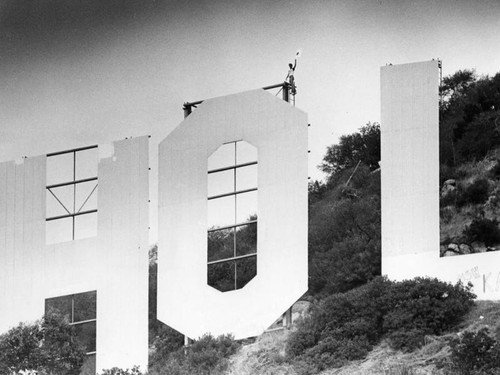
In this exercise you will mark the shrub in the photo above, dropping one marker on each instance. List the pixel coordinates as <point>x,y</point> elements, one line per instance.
<point>344,234</point>
<point>449,199</point>
<point>475,193</point>
<point>406,340</point>
<point>446,172</point>
<point>483,230</point>
<point>334,351</point>
<point>118,371</point>
<point>166,342</point>
<point>428,304</point>
<point>446,214</point>
<point>344,326</point>
<point>495,171</point>
<point>208,355</point>
<point>475,353</point>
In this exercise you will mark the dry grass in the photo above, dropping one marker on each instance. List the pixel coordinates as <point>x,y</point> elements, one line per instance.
<point>486,314</point>
<point>384,360</point>
<point>266,355</point>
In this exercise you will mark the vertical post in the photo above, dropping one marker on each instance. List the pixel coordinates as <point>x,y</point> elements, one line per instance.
<point>74,192</point>
<point>287,318</point>
<point>187,341</point>
<point>187,110</point>
<point>286,91</point>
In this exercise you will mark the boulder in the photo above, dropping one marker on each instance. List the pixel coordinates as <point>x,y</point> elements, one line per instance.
<point>449,253</point>
<point>448,187</point>
<point>451,181</point>
<point>465,249</point>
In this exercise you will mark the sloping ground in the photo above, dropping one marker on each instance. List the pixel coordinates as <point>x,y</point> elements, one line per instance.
<point>454,219</point>
<point>263,357</point>
<point>384,360</point>
<point>266,356</point>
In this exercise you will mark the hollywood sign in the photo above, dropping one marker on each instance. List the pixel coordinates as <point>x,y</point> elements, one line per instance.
<point>232,221</point>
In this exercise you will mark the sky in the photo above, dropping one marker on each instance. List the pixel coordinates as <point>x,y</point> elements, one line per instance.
<point>81,72</point>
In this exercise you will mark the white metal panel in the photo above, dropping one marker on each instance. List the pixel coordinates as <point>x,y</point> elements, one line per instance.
<point>410,184</point>
<point>115,263</point>
<point>279,132</point>
<point>410,158</point>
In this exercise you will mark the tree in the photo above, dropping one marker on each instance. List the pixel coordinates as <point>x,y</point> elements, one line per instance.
<point>49,346</point>
<point>344,233</point>
<point>361,146</point>
<point>454,87</point>
<point>469,117</point>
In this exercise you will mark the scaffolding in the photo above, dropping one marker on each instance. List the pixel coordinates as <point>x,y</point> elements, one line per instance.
<point>286,90</point>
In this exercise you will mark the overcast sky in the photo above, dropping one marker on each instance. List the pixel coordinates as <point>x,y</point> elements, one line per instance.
<point>79,72</point>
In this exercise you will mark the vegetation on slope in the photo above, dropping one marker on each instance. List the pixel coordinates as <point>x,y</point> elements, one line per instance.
<point>345,326</point>
<point>470,163</point>
<point>344,215</point>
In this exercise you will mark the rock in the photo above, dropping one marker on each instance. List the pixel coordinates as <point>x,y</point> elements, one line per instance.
<point>464,248</point>
<point>451,181</point>
<point>450,250</point>
<point>448,187</point>
<point>449,253</point>
<point>478,247</point>
<point>442,250</point>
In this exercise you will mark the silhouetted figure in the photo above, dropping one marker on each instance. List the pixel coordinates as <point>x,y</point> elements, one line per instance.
<point>290,76</point>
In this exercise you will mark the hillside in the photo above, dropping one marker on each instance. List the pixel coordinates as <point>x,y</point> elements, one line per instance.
<point>469,139</point>
<point>470,205</point>
<point>265,356</point>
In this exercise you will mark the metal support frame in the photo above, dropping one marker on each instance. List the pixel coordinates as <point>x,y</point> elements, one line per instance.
<point>235,193</point>
<point>72,150</point>
<point>285,88</point>
<point>72,321</point>
<point>286,322</point>
<point>287,318</point>
<point>188,341</point>
<point>74,212</point>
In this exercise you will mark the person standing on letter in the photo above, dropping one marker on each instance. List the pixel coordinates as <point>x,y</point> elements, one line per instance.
<point>290,76</point>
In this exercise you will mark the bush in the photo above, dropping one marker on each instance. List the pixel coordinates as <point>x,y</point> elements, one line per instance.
<point>344,234</point>
<point>495,171</point>
<point>46,346</point>
<point>345,326</point>
<point>427,304</point>
<point>118,371</point>
<point>208,355</point>
<point>449,199</point>
<point>166,342</point>
<point>475,193</point>
<point>334,351</point>
<point>475,353</point>
<point>406,340</point>
<point>483,230</point>
<point>446,172</point>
